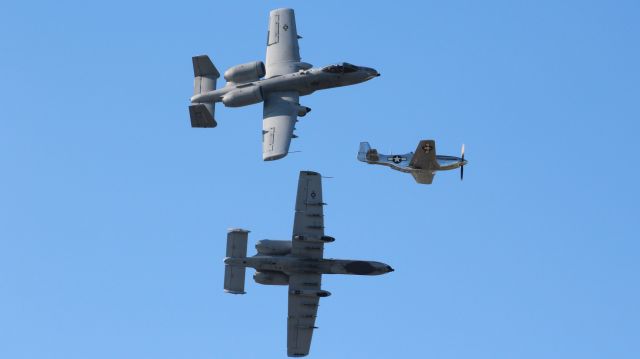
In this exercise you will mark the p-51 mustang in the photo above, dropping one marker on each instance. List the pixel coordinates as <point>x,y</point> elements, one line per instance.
<point>298,263</point>
<point>422,164</point>
<point>286,78</point>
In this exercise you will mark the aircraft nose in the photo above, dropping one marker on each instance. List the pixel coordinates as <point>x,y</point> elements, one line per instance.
<point>389,269</point>
<point>371,72</point>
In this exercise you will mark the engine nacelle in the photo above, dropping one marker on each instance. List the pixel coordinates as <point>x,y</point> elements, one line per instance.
<point>273,248</point>
<point>271,278</point>
<point>249,72</point>
<point>243,96</point>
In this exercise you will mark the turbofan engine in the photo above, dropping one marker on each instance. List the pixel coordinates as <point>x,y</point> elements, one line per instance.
<point>271,278</point>
<point>239,74</point>
<point>243,96</point>
<point>273,247</point>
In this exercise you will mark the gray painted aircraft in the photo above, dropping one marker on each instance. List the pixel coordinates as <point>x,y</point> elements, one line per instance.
<point>422,164</point>
<point>298,263</point>
<point>286,78</point>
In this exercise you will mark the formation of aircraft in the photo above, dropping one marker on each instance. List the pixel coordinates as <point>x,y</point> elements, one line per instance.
<point>422,164</point>
<point>279,83</point>
<point>298,263</point>
<point>286,78</point>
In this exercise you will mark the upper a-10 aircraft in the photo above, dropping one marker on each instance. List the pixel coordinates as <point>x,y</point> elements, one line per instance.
<point>422,164</point>
<point>286,78</point>
<point>298,263</point>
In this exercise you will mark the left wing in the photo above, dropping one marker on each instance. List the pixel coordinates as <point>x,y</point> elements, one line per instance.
<point>303,307</point>
<point>283,53</point>
<point>280,114</point>
<point>308,223</point>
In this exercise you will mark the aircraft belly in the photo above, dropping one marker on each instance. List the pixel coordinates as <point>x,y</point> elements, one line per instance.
<point>287,264</point>
<point>284,83</point>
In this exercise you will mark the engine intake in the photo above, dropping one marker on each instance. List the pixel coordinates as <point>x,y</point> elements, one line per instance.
<point>249,72</point>
<point>243,96</point>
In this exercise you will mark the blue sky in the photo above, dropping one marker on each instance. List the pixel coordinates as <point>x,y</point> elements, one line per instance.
<point>113,211</point>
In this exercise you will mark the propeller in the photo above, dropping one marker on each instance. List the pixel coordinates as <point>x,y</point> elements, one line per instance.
<point>462,164</point>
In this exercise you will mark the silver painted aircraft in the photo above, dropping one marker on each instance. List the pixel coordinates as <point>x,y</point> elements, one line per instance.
<point>422,164</point>
<point>298,263</point>
<point>286,78</point>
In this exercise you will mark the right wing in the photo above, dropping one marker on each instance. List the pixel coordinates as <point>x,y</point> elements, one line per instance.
<point>280,114</point>
<point>308,223</point>
<point>283,53</point>
<point>302,312</point>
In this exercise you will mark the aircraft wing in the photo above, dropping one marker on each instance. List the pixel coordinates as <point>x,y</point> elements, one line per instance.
<point>424,177</point>
<point>283,53</point>
<point>425,155</point>
<point>302,313</point>
<point>280,114</point>
<point>425,159</point>
<point>308,223</point>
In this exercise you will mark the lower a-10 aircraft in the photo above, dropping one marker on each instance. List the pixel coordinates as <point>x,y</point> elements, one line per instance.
<point>422,164</point>
<point>298,263</point>
<point>286,78</point>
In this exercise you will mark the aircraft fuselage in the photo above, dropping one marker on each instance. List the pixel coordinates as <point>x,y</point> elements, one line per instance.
<point>289,264</point>
<point>304,82</point>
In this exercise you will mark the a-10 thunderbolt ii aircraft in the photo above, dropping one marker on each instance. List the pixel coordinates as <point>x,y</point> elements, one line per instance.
<point>422,164</point>
<point>286,78</point>
<point>298,263</point>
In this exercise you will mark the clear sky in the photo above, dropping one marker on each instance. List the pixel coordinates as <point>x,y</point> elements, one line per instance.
<point>113,210</point>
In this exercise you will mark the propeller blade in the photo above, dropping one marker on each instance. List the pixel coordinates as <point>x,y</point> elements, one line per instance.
<point>462,164</point>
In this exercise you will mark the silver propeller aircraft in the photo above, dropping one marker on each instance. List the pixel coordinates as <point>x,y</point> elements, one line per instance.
<point>298,263</point>
<point>422,164</point>
<point>286,78</point>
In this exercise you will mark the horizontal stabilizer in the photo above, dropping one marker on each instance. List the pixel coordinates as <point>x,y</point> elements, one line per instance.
<point>202,115</point>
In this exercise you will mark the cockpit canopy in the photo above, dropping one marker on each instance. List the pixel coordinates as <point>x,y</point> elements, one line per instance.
<point>344,67</point>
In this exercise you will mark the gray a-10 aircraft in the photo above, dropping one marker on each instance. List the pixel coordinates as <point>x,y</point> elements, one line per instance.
<point>286,78</point>
<point>422,164</point>
<point>298,263</point>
